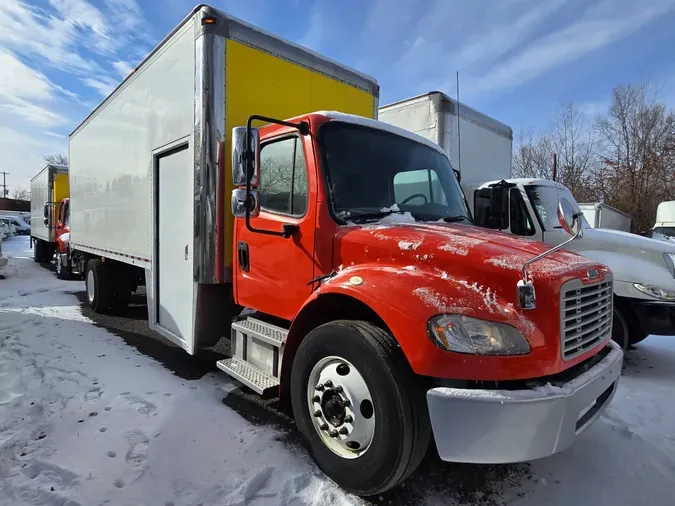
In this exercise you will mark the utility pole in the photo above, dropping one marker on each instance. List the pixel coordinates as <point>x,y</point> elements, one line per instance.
<point>4,184</point>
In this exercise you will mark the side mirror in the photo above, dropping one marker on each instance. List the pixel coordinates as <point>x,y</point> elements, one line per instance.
<point>241,167</point>
<point>569,220</point>
<point>240,203</point>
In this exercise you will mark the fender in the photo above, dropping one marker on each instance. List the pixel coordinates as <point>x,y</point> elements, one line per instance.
<point>405,297</point>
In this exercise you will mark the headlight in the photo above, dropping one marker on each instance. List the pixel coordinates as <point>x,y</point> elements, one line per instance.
<point>670,262</point>
<point>655,291</point>
<point>464,334</point>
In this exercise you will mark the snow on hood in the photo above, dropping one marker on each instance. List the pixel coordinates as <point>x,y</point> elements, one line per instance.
<point>450,247</point>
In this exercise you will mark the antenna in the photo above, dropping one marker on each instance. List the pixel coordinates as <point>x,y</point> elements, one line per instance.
<point>459,134</point>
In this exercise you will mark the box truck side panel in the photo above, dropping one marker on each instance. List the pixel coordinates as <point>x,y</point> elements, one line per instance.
<point>485,153</point>
<point>39,196</point>
<point>417,115</point>
<point>113,154</point>
<point>260,83</point>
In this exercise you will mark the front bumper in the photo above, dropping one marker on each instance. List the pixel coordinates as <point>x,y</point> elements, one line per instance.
<point>502,426</point>
<point>654,317</point>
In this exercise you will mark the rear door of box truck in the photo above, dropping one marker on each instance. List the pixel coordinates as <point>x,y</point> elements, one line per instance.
<point>39,196</point>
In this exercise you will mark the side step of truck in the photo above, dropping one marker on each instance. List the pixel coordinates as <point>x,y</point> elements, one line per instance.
<point>257,351</point>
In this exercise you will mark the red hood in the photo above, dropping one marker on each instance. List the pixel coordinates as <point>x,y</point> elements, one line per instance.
<point>456,249</point>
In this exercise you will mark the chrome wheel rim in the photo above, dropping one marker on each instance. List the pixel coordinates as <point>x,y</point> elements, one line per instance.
<point>341,407</point>
<point>90,285</point>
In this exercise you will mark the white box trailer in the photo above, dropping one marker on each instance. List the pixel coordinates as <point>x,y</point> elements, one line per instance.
<point>599,215</point>
<point>478,146</point>
<point>48,189</point>
<point>149,192</point>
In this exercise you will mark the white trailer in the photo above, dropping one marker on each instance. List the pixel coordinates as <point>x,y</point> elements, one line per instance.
<point>599,215</point>
<point>479,147</point>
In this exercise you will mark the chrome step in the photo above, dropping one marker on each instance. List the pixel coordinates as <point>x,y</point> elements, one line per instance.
<point>250,376</point>
<point>270,334</point>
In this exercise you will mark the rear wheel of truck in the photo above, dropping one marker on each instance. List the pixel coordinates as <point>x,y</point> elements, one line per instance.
<point>38,251</point>
<point>359,406</point>
<point>62,271</point>
<point>98,281</point>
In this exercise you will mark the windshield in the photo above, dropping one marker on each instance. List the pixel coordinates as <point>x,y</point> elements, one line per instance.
<point>373,173</point>
<point>545,200</point>
<point>664,233</point>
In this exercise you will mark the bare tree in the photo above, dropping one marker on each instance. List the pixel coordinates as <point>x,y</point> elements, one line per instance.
<point>532,155</point>
<point>637,149</point>
<point>572,140</point>
<point>57,159</point>
<point>21,194</point>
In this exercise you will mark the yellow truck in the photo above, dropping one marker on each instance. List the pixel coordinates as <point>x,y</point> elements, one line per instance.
<point>49,192</point>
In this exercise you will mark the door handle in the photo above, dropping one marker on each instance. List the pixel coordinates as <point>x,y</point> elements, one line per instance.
<point>242,256</point>
<point>186,252</point>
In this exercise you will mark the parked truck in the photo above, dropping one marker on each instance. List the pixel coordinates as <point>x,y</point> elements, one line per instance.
<point>479,147</point>
<point>601,215</point>
<point>48,191</point>
<point>664,228</point>
<point>382,318</point>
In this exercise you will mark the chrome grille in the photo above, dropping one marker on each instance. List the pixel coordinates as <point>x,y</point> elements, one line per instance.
<point>585,315</point>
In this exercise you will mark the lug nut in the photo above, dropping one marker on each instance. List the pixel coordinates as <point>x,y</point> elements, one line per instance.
<point>333,433</point>
<point>320,387</point>
<point>346,403</point>
<point>328,384</point>
<point>316,398</point>
<point>344,431</point>
<point>349,419</point>
<point>338,389</point>
<point>323,426</point>
<point>317,413</point>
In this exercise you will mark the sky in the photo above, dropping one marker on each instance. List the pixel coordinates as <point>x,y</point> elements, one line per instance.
<point>518,59</point>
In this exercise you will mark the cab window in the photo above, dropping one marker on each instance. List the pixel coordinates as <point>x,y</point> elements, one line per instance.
<point>283,177</point>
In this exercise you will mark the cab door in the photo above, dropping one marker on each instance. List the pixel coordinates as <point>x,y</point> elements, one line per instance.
<point>272,273</point>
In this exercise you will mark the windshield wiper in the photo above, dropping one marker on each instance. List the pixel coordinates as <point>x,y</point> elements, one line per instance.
<point>367,216</point>
<point>455,219</point>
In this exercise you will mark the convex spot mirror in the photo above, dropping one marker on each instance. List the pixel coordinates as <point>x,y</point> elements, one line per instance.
<point>569,219</point>
<point>241,167</point>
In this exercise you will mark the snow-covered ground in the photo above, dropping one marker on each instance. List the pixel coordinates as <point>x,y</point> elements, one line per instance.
<point>87,418</point>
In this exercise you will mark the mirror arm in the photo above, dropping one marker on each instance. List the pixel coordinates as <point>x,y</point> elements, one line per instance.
<point>576,236</point>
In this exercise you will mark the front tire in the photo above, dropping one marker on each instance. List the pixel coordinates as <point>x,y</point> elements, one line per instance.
<point>391,418</point>
<point>98,282</point>
<point>620,332</point>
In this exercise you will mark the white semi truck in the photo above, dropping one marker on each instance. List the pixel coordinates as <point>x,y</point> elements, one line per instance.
<point>479,148</point>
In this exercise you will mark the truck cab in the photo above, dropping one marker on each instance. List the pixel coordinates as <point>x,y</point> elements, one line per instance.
<point>379,310</point>
<point>644,276</point>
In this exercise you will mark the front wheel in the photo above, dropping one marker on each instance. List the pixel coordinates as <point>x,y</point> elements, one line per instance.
<point>359,406</point>
<point>63,271</point>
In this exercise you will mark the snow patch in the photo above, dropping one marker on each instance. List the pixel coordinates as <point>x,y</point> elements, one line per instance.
<point>460,244</point>
<point>409,245</point>
<point>393,209</point>
<point>395,219</point>
<point>431,298</point>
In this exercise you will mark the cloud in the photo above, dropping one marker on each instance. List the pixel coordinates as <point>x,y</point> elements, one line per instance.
<point>104,85</point>
<point>123,68</point>
<point>598,27</point>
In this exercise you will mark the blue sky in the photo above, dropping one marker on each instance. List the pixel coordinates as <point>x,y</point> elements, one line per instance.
<point>518,59</point>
